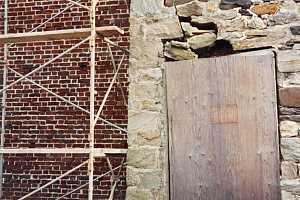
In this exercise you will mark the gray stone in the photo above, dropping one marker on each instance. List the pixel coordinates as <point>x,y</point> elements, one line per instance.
<point>291,185</point>
<point>256,23</point>
<point>231,36</point>
<point>236,24</point>
<point>201,20</point>
<point>189,9</point>
<point>133,193</point>
<point>257,1</point>
<point>203,40</point>
<point>290,149</point>
<point>289,61</point>
<point>227,14</point>
<point>228,4</point>
<point>276,35</point>
<point>296,47</point>
<point>178,53</point>
<point>146,179</point>
<point>289,170</point>
<point>165,28</point>
<point>289,96</point>
<point>179,2</point>
<point>256,33</point>
<point>291,79</point>
<point>289,128</point>
<point>191,31</point>
<point>283,17</point>
<point>287,195</point>
<point>149,8</point>
<point>183,45</point>
<point>295,30</point>
<point>143,157</point>
<point>144,128</point>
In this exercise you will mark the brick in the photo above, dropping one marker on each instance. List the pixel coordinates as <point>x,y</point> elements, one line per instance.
<point>38,119</point>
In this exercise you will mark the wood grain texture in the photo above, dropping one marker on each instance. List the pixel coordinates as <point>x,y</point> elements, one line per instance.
<point>223,128</point>
<point>59,34</point>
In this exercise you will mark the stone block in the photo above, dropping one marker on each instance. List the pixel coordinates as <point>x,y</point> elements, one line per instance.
<point>144,128</point>
<point>144,179</point>
<point>145,90</point>
<point>287,196</point>
<point>193,8</point>
<point>289,128</point>
<point>289,96</point>
<point>289,61</point>
<point>203,40</point>
<point>292,185</point>
<point>176,52</point>
<point>149,8</point>
<point>143,157</point>
<point>133,193</point>
<point>289,170</point>
<point>291,79</point>
<point>163,28</point>
<point>290,149</point>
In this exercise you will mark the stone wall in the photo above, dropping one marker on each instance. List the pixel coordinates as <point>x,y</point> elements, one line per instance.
<point>147,141</point>
<point>199,28</point>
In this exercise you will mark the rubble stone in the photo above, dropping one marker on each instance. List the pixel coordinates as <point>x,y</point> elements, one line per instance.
<point>295,30</point>
<point>256,23</point>
<point>177,52</point>
<point>289,170</point>
<point>290,149</point>
<point>289,96</point>
<point>190,30</point>
<point>289,61</point>
<point>203,40</point>
<point>265,9</point>
<point>283,17</point>
<point>189,9</point>
<point>289,128</point>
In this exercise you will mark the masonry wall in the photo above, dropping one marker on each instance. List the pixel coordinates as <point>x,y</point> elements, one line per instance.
<point>37,119</point>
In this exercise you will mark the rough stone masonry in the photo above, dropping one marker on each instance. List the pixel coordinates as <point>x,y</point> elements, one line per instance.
<point>189,29</point>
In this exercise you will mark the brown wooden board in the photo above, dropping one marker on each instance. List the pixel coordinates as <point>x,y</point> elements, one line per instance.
<point>59,34</point>
<point>223,133</point>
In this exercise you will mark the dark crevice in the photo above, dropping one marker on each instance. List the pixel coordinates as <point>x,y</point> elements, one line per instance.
<point>185,19</point>
<point>220,48</point>
<point>206,26</point>
<point>278,106</point>
<point>180,39</point>
<point>254,49</point>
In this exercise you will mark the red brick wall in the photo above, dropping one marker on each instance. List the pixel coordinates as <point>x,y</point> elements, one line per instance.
<point>37,119</point>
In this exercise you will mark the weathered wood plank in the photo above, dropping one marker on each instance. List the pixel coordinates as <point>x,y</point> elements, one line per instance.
<point>98,151</point>
<point>60,34</point>
<point>223,128</point>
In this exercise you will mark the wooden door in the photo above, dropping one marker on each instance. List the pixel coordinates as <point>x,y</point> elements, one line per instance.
<point>223,133</point>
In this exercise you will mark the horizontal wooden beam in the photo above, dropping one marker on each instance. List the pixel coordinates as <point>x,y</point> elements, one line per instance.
<point>98,151</point>
<point>104,31</point>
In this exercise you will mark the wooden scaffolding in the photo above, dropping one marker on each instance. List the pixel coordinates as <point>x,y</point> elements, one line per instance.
<point>90,34</point>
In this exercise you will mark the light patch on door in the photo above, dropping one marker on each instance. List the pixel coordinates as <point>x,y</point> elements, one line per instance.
<point>224,114</point>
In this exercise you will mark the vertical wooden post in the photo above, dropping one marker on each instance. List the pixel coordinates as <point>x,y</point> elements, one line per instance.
<point>92,98</point>
<point>4,93</point>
